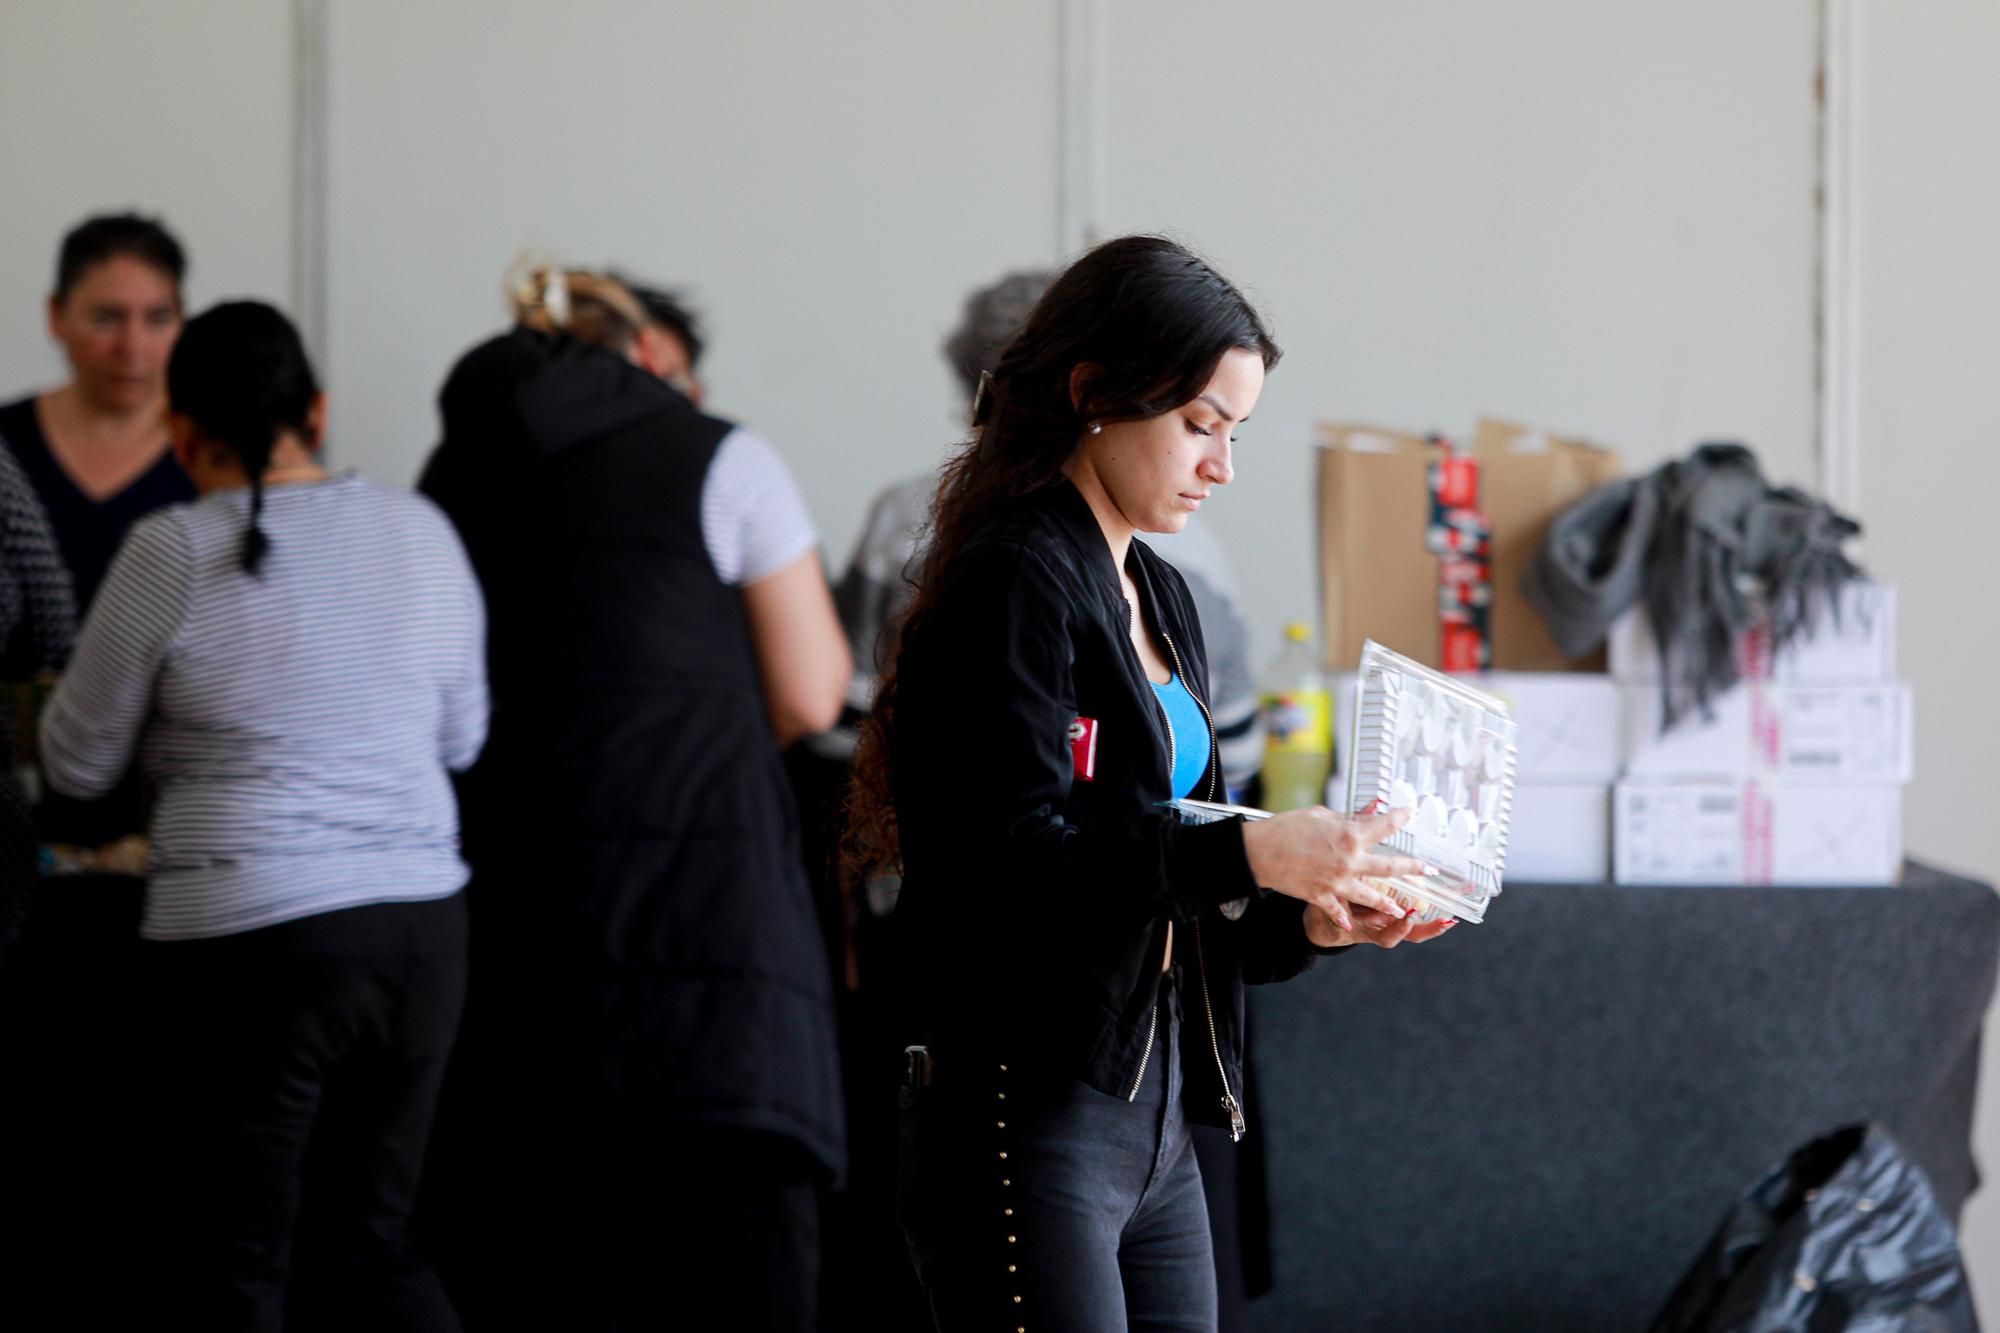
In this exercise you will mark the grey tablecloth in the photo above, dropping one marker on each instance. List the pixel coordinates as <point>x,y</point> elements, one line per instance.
<point>1535,1123</point>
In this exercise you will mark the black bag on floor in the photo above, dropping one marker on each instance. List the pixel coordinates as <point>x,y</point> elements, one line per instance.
<point>1843,1237</point>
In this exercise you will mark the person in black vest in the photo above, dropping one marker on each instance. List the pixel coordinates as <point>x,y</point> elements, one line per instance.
<point>1078,955</point>
<point>650,1094</point>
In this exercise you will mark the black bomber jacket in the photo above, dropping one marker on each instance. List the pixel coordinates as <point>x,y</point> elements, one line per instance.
<point>1029,760</point>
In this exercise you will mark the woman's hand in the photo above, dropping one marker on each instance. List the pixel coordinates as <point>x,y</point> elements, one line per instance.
<point>1328,860</point>
<point>1383,929</point>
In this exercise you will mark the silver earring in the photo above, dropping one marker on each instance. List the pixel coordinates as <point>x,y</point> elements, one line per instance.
<point>1097,428</point>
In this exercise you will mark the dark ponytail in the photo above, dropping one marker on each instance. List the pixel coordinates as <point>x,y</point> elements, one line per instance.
<point>239,372</point>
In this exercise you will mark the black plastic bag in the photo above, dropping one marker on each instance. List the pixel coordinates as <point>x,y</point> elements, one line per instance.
<point>1843,1236</point>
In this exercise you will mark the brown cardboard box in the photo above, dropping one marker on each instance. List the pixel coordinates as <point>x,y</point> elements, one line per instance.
<point>1376,579</point>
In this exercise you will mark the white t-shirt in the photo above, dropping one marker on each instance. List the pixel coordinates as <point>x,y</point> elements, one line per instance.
<point>753,518</point>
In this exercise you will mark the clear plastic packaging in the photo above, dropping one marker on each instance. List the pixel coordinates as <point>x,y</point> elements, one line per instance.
<point>1212,812</point>
<point>1426,740</point>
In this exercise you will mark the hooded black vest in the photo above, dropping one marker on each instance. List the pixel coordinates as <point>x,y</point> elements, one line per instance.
<point>637,876</point>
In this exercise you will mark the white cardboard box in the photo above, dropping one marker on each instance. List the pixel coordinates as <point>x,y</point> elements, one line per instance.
<point>1570,728</point>
<point>1751,833</point>
<point>1798,734</point>
<point>1569,725</point>
<point>1560,835</point>
<point>1860,649</point>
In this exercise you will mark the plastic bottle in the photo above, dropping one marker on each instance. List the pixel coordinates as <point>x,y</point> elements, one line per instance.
<point>1298,723</point>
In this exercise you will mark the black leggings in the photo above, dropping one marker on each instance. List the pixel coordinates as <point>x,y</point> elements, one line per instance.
<point>1065,1210</point>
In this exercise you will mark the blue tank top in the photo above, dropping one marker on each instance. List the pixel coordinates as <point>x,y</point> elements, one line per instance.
<point>1190,728</point>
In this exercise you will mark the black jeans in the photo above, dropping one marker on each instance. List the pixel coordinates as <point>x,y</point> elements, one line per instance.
<point>1058,1209</point>
<point>300,1071</point>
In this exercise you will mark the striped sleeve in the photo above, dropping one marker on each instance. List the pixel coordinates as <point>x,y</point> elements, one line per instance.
<point>91,727</point>
<point>30,561</point>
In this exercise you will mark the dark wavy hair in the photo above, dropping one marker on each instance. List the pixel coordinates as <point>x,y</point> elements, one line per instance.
<point>240,373</point>
<point>1148,321</point>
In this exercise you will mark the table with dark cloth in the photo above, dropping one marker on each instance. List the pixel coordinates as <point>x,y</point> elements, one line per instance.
<point>1536,1122</point>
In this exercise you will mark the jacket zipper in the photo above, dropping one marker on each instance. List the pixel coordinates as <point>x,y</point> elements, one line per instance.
<point>1230,1106</point>
<point>1153,1024</point>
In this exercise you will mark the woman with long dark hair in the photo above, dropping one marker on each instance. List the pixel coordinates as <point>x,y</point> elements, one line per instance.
<point>294,661</point>
<point>1076,953</point>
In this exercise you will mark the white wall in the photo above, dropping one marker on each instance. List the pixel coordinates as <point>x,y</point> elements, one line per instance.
<point>182,111</point>
<point>1591,217</point>
<point>829,179</point>
<point>1928,187</point>
<point>1594,221</point>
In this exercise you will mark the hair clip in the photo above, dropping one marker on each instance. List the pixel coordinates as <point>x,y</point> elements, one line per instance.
<point>555,296</point>
<point>982,397</point>
<point>544,287</point>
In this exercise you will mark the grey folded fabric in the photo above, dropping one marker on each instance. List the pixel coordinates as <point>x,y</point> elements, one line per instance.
<point>1688,539</point>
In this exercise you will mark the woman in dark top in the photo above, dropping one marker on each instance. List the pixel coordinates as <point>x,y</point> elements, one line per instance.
<point>96,448</point>
<point>96,453</point>
<point>1077,955</point>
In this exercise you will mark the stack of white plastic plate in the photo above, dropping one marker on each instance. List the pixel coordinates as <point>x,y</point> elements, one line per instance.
<point>1426,741</point>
